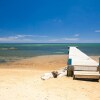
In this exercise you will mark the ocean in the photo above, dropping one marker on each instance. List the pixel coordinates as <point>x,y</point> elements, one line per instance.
<point>16,51</point>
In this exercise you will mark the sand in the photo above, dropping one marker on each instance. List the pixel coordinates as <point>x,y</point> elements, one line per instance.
<point>21,80</point>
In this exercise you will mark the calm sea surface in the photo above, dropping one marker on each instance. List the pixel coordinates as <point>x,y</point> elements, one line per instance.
<point>12,52</point>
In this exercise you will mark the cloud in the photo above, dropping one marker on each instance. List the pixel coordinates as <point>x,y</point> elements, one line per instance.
<point>32,36</point>
<point>76,35</point>
<point>71,39</point>
<point>54,40</point>
<point>64,40</point>
<point>97,30</point>
<point>21,38</point>
<point>10,38</point>
<point>45,39</point>
<point>90,41</point>
<point>15,37</point>
<point>16,40</point>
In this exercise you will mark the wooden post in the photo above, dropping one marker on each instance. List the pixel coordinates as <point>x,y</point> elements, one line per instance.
<point>70,70</point>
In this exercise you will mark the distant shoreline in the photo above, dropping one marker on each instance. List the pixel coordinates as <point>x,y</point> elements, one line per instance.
<point>23,58</point>
<point>44,62</point>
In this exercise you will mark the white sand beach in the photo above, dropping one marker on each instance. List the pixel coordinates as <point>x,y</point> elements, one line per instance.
<point>21,80</point>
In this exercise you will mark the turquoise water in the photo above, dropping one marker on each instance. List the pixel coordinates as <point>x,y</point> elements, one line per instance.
<point>12,52</point>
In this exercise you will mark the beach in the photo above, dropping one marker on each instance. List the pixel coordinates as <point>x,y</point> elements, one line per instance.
<point>46,48</point>
<point>21,80</point>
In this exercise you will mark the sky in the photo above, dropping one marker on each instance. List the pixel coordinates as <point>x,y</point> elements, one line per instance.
<point>49,21</point>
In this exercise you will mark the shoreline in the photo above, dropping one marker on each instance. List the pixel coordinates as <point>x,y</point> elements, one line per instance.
<point>46,61</point>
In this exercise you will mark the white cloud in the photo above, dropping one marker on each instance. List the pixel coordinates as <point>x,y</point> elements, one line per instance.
<point>21,38</point>
<point>97,30</point>
<point>76,35</point>
<point>13,37</point>
<point>54,40</point>
<point>71,39</point>
<point>44,39</point>
<point>34,39</point>
<point>64,40</point>
<point>28,36</point>
<point>16,40</point>
<point>89,41</point>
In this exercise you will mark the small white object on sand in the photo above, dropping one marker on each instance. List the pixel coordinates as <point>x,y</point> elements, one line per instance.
<point>54,74</point>
<point>46,76</point>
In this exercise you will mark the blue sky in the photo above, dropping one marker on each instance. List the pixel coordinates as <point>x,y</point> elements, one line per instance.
<point>50,21</point>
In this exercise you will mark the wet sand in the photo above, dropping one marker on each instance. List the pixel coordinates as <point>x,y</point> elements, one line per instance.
<point>21,80</point>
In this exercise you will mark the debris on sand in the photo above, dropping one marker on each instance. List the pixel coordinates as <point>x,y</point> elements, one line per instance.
<point>54,74</point>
